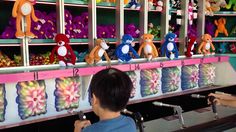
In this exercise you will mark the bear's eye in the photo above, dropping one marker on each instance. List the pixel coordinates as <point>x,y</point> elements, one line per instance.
<point>61,42</point>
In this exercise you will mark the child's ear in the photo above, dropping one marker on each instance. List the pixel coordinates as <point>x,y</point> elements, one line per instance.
<point>94,100</point>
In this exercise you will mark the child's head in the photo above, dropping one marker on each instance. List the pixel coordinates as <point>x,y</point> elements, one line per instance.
<point>112,88</point>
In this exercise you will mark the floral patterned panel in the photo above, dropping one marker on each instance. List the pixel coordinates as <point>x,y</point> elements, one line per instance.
<point>31,98</point>
<point>67,93</point>
<point>170,79</point>
<point>206,75</point>
<point>189,77</point>
<point>149,82</point>
<point>133,78</point>
<point>3,102</point>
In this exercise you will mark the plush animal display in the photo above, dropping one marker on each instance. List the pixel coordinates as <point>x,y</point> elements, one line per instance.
<point>63,50</point>
<point>222,48</point>
<point>220,23</point>
<point>217,4</point>
<point>209,27</point>
<point>206,45</point>
<point>169,47</point>
<point>155,5</point>
<point>233,31</point>
<point>24,9</point>
<point>95,56</point>
<point>191,43</point>
<point>125,48</point>
<point>192,11</point>
<point>232,48</point>
<point>147,46</point>
<point>133,4</point>
<point>154,30</point>
<point>230,3</point>
<point>208,10</point>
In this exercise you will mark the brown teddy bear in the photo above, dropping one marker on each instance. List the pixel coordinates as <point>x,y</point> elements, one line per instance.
<point>149,49</point>
<point>24,9</point>
<point>95,56</point>
<point>206,45</point>
<point>220,23</point>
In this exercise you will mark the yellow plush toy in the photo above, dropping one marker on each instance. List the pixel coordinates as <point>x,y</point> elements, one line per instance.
<point>24,9</point>
<point>148,48</point>
<point>95,56</point>
<point>206,45</point>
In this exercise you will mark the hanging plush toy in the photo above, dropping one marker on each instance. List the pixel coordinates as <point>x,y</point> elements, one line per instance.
<point>149,49</point>
<point>63,50</point>
<point>125,48</point>
<point>169,46</point>
<point>192,11</point>
<point>133,4</point>
<point>206,45</point>
<point>95,56</point>
<point>230,3</point>
<point>220,23</point>
<point>191,43</point>
<point>24,9</point>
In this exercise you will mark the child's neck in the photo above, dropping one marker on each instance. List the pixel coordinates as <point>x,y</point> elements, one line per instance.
<point>106,114</point>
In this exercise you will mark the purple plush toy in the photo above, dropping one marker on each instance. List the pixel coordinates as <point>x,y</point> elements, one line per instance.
<point>49,27</point>
<point>132,30</point>
<point>111,31</point>
<point>37,27</point>
<point>192,30</point>
<point>68,23</point>
<point>102,31</point>
<point>8,33</point>
<point>84,16</point>
<point>78,27</point>
<point>210,28</point>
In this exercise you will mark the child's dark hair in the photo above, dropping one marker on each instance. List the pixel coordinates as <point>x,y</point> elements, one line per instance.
<point>112,87</point>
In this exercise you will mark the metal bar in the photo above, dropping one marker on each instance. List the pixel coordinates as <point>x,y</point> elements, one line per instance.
<point>184,26</point>
<point>119,20</point>
<point>143,18</point>
<point>60,16</point>
<point>92,23</point>
<point>165,19</point>
<point>201,19</point>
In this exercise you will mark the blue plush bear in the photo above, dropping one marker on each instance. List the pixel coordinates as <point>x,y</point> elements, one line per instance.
<point>133,4</point>
<point>169,47</point>
<point>123,50</point>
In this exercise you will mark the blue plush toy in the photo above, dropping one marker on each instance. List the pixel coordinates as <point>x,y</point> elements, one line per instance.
<point>133,4</point>
<point>169,47</point>
<point>222,48</point>
<point>123,50</point>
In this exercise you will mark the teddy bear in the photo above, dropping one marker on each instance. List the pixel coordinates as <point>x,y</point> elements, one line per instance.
<point>124,50</point>
<point>208,10</point>
<point>190,47</point>
<point>232,48</point>
<point>95,56</point>
<point>230,3</point>
<point>220,23</point>
<point>217,4</point>
<point>24,9</point>
<point>206,45</point>
<point>132,30</point>
<point>169,47</point>
<point>148,48</point>
<point>37,27</point>
<point>64,52</point>
<point>158,4</point>
<point>133,4</point>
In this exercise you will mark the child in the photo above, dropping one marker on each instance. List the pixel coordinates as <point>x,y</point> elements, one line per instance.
<point>110,91</point>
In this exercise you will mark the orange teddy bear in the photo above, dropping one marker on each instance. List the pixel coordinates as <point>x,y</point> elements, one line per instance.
<point>95,56</point>
<point>148,47</point>
<point>206,45</point>
<point>220,23</point>
<point>24,9</point>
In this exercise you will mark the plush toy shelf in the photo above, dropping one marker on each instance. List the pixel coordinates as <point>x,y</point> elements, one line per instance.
<point>38,42</point>
<point>225,13</point>
<point>81,69</point>
<point>224,39</point>
<point>51,2</point>
<point>10,41</point>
